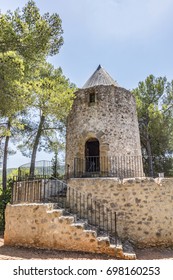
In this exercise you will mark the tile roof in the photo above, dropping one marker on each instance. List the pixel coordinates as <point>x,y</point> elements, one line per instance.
<point>100,77</point>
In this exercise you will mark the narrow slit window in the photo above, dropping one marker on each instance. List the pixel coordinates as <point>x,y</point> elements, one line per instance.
<point>92,97</point>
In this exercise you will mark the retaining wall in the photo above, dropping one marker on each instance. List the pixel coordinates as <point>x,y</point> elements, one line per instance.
<point>144,207</point>
<point>41,226</point>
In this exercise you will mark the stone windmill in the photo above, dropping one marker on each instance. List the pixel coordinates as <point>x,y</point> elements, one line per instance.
<point>102,131</point>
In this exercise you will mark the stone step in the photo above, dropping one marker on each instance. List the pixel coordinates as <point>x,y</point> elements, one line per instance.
<point>129,256</point>
<point>119,249</point>
<point>113,246</point>
<point>59,212</point>
<point>90,233</point>
<point>67,219</point>
<point>103,241</point>
<point>129,253</point>
<point>78,225</point>
<point>69,214</point>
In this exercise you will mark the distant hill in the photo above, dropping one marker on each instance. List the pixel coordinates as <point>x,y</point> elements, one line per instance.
<point>9,170</point>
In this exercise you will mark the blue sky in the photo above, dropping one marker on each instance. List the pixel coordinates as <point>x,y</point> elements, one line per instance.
<point>129,38</point>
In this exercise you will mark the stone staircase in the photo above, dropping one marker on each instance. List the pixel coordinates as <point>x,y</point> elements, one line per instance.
<point>92,239</point>
<point>75,220</point>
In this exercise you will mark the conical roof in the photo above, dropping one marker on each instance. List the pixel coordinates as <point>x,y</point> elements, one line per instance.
<point>100,77</point>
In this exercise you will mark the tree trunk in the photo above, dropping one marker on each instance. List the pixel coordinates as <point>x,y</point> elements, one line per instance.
<point>150,160</point>
<point>56,164</point>
<point>5,156</point>
<point>36,143</point>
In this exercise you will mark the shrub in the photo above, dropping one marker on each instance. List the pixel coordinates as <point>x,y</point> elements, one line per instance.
<point>5,197</point>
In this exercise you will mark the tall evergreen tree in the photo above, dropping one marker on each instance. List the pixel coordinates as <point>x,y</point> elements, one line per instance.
<point>26,39</point>
<point>154,99</point>
<point>53,97</point>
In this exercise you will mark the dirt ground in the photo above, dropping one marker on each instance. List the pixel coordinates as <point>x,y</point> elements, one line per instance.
<point>20,253</point>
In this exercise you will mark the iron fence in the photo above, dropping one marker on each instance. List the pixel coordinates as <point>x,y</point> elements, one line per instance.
<point>82,205</point>
<point>37,189</point>
<point>27,177</point>
<point>42,168</point>
<point>123,167</point>
<point>115,166</point>
<point>95,212</point>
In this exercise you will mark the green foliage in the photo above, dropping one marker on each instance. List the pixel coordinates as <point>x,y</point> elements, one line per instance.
<point>11,174</point>
<point>31,34</point>
<point>26,39</point>
<point>57,169</point>
<point>5,197</point>
<point>154,98</point>
<point>53,97</point>
<point>53,93</point>
<point>14,92</point>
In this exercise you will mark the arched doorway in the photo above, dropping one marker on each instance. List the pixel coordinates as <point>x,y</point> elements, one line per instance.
<point>92,155</point>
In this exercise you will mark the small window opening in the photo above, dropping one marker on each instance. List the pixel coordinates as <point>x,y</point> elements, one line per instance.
<point>92,155</point>
<point>92,97</point>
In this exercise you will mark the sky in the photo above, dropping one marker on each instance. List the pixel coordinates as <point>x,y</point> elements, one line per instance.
<point>131,39</point>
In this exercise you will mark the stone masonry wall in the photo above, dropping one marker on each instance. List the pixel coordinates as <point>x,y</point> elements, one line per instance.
<point>41,226</point>
<point>112,119</point>
<point>144,207</point>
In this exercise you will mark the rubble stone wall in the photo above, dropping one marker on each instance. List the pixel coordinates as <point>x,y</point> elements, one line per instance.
<point>41,226</point>
<point>144,207</point>
<point>111,119</point>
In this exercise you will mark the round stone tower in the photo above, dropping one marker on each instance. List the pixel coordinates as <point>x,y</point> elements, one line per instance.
<point>102,136</point>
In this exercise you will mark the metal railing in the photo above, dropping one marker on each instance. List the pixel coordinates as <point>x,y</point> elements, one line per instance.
<point>42,168</point>
<point>96,213</point>
<point>115,166</point>
<point>37,189</point>
<point>27,177</point>
<point>122,166</point>
<point>82,205</point>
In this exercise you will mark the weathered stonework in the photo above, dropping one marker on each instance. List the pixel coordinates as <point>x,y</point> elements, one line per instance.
<point>144,207</point>
<point>41,226</point>
<point>111,119</point>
